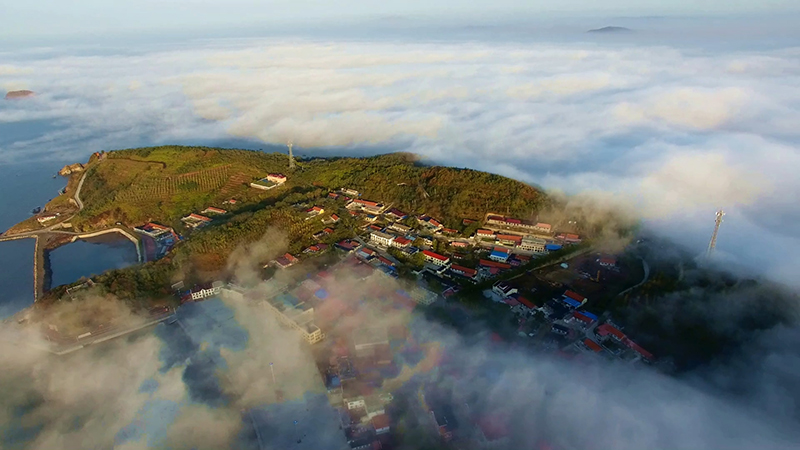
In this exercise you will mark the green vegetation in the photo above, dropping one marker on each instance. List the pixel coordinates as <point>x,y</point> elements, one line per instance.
<point>163,184</point>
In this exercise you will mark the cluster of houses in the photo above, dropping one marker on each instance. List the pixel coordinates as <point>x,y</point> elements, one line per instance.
<point>571,326</point>
<point>510,222</point>
<point>195,220</point>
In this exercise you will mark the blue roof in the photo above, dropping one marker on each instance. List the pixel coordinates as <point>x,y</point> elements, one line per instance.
<point>321,294</point>
<point>571,302</point>
<point>588,314</point>
<point>499,254</point>
<point>552,247</point>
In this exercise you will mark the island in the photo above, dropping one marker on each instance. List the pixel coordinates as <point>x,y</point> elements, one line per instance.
<point>611,30</point>
<point>345,254</point>
<point>13,95</point>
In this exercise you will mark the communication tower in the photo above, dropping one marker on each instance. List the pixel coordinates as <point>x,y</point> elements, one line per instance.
<point>717,223</point>
<point>291,156</point>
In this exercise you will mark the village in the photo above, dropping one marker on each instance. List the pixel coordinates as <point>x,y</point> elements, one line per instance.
<point>412,263</point>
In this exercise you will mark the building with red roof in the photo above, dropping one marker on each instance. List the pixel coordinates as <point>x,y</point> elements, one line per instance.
<point>575,296</point>
<point>607,261</point>
<point>484,234</point>
<point>493,264</point>
<point>463,271</point>
<point>213,210</point>
<point>606,330</point>
<point>435,258</point>
<point>525,302</point>
<point>509,239</point>
<point>381,423</point>
<point>401,242</point>
<point>592,345</point>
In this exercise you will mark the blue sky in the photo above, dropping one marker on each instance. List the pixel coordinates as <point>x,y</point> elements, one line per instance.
<point>36,18</point>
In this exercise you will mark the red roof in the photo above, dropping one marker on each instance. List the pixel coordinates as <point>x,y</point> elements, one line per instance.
<point>434,255</point>
<point>381,421</point>
<point>592,345</point>
<point>493,427</point>
<point>402,241</point>
<point>578,315</point>
<point>328,230</point>
<point>467,221</point>
<point>458,244</point>
<point>368,251</point>
<point>636,347</point>
<point>465,270</point>
<point>334,217</point>
<point>509,237</point>
<point>486,232</point>
<point>608,260</point>
<point>449,230</point>
<point>502,250</point>
<point>606,329</point>
<point>497,265</point>
<point>546,226</point>
<point>199,217</point>
<point>526,302</point>
<point>500,218</point>
<point>385,261</point>
<point>516,221</point>
<point>216,210</point>
<point>155,226</point>
<point>365,202</point>
<point>574,296</point>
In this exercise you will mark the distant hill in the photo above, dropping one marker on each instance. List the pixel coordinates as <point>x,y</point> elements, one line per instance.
<point>611,30</point>
<point>11,95</point>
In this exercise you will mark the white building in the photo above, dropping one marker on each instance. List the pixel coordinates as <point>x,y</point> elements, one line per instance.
<point>532,244</point>
<point>380,238</point>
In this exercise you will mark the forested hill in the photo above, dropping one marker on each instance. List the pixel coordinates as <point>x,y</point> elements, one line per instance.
<point>449,194</point>
<point>164,183</point>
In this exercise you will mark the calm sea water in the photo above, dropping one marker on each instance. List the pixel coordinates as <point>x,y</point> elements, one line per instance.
<point>86,258</point>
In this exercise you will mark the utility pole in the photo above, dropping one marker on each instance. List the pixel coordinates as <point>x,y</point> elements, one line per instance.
<point>291,156</point>
<point>713,243</point>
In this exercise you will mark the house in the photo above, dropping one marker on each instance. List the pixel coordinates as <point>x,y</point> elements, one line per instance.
<point>351,192</point>
<point>230,201</point>
<point>365,205</point>
<point>484,234</point>
<point>46,218</point>
<point>559,329</point>
<point>460,244</point>
<point>206,290</point>
<point>543,227</point>
<point>285,261</point>
<point>381,423</point>
<point>195,220</point>
<point>468,221</point>
<point>213,210</point>
<point>504,289</point>
<point>494,264</point>
<point>333,196</point>
<point>277,178</point>
<point>435,258</point>
<point>463,271</point>
<point>382,239</point>
<point>385,261</point>
<point>509,239</point>
<point>365,252</point>
<point>606,330</point>
<point>371,218</point>
<point>429,222</point>
<point>524,304</point>
<point>449,231</point>
<point>585,318</point>
<point>608,261</point>
<point>315,211</point>
<point>401,242</point>
<point>569,237</point>
<point>592,345</point>
<point>153,230</point>
<point>374,227</point>
<point>400,228</point>
<point>552,247</point>
<point>396,214</point>
<point>347,245</point>
<point>575,296</point>
<point>532,244</point>
<point>332,219</point>
<point>499,254</point>
<point>316,248</point>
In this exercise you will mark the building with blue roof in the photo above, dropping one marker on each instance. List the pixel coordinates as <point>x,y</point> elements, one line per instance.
<point>552,247</point>
<point>571,302</point>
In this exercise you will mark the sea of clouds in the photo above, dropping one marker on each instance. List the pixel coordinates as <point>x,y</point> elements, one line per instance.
<point>675,131</point>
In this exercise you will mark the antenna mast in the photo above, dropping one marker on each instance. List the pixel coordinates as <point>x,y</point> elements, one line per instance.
<point>291,156</point>
<point>717,223</point>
